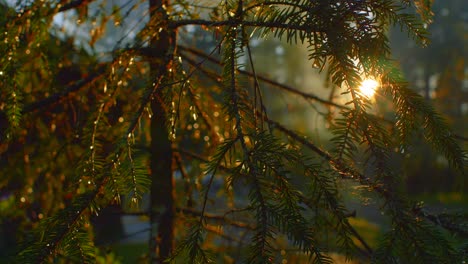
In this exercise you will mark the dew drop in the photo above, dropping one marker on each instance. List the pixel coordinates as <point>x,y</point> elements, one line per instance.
<point>91,147</point>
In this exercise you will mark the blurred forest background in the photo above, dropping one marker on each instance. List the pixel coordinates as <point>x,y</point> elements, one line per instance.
<point>439,72</point>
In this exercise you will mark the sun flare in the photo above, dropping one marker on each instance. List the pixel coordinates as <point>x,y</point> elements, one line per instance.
<point>368,87</point>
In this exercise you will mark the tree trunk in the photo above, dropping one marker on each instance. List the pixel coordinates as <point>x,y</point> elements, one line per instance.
<point>162,211</point>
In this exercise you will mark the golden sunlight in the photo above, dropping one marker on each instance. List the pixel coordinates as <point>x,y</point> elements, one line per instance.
<point>368,87</point>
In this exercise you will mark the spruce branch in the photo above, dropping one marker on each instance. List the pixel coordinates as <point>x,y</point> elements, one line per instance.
<point>187,181</point>
<point>257,91</point>
<point>73,4</point>
<point>412,110</point>
<point>260,77</point>
<point>236,23</point>
<point>300,197</point>
<point>345,171</point>
<point>308,96</point>
<point>222,219</point>
<point>60,224</point>
<point>337,35</point>
<point>452,222</point>
<point>57,97</point>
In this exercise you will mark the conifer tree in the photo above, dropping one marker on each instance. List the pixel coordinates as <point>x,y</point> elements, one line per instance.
<point>190,127</point>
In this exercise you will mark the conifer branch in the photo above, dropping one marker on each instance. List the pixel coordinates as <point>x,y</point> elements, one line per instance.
<point>69,216</point>
<point>258,99</point>
<point>215,77</point>
<point>73,4</point>
<point>55,98</point>
<point>219,218</point>
<point>350,173</point>
<point>445,221</point>
<point>236,23</point>
<point>187,181</point>
<point>260,77</point>
<point>368,250</point>
<point>223,235</point>
<point>347,38</point>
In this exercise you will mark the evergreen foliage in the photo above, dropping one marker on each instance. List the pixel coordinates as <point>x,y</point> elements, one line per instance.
<point>82,131</point>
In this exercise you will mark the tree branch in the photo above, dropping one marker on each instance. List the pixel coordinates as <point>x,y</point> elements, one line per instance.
<point>189,211</point>
<point>73,4</point>
<point>368,250</point>
<point>264,79</point>
<point>64,93</point>
<point>236,22</point>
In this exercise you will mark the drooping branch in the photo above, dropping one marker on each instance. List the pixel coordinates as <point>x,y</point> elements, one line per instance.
<point>72,214</point>
<point>368,250</point>
<point>351,173</point>
<point>73,4</point>
<point>443,220</point>
<point>55,98</point>
<point>265,79</point>
<point>221,218</point>
<point>274,84</point>
<point>244,23</point>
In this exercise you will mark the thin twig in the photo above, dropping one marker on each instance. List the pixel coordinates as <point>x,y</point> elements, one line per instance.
<point>65,92</point>
<point>236,22</point>
<point>73,4</point>
<point>265,79</point>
